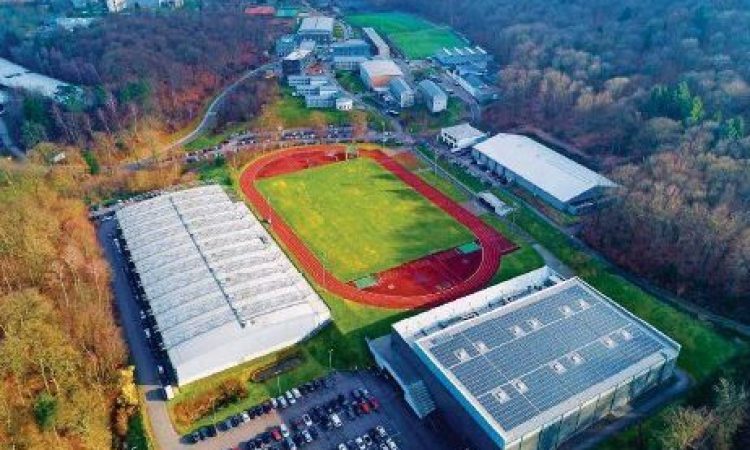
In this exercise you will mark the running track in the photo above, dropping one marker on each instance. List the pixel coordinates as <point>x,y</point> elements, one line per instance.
<point>493,244</point>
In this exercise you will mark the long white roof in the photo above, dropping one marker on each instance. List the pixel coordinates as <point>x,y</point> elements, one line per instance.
<point>552,172</point>
<point>220,289</point>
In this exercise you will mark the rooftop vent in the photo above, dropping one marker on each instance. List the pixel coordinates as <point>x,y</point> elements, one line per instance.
<point>517,331</point>
<point>576,358</point>
<point>566,310</point>
<point>608,342</point>
<point>558,368</point>
<point>500,395</point>
<point>462,354</point>
<point>520,386</point>
<point>534,323</point>
<point>626,335</point>
<point>481,347</point>
<point>583,304</point>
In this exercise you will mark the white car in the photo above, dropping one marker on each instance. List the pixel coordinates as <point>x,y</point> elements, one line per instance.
<point>284,430</point>
<point>360,443</point>
<point>336,420</point>
<point>391,445</point>
<point>308,421</point>
<point>245,416</point>
<point>290,398</point>
<point>381,431</point>
<point>296,393</point>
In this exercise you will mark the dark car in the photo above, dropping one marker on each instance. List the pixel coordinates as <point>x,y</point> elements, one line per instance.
<point>374,403</point>
<point>203,433</point>
<point>236,420</point>
<point>313,432</point>
<point>341,399</point>
<point>356,394</point>
<point>193,437</point>
<point>267,407</point>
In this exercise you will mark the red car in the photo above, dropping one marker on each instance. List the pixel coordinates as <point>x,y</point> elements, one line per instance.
<point>374,403</point>
<point>364,407</point>
<point>276,434</point>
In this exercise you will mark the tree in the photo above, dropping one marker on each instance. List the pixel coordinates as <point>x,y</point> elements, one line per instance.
<point>32,133</point>
<point>45,410</point>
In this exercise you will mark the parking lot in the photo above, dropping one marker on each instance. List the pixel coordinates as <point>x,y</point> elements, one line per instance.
<point>309,423</point>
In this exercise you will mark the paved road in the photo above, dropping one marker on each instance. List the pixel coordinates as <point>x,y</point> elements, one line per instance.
<point>213,108</point>
<point>145,364</point>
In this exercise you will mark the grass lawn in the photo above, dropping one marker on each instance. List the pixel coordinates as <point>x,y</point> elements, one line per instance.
<point>415,37</point>
<point>350,81</point>
<point>419,118</point>
<point>211,139</point>
<point>360,219</point>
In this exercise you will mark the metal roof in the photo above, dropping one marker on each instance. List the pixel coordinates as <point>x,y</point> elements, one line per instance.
<point>318,24</point>
<point>220,289</point>
<point>430,88</point>
<point>463,131</point>
<point>560,177</point>
<point>524,364</point>
<point>399,86</point>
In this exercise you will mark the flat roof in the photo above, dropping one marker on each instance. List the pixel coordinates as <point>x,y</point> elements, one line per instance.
<point>379,67</point>
<point>524,364</point>
<point>463,131</point>
<point>299,53</point>
<point>399,85</point>
<point>560,177</point>
<point>316,24</point>
<point>220,289</point>
<point>374,37</point>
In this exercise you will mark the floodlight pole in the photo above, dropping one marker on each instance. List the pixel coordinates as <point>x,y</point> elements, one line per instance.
<point>330,359</point>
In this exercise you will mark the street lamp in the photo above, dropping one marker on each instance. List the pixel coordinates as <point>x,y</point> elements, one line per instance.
<point>330,359</point>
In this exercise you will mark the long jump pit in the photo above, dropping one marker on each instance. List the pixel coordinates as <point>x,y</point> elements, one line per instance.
<point>434,278</point>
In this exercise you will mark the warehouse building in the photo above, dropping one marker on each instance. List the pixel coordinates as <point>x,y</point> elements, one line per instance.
<point>476,86</point>
<point>218,287</point>
<point>525,364</point>
<point>318,29</point>
<point>432,96</point>
<point>351,47</point>
<point>401,91</point>
<point>461,136</point>
<point>377,73</point>
<point>379,47</point>
<point>452,58</point>
<point>559,181</point>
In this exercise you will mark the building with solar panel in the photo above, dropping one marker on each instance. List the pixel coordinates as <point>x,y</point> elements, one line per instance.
<point>525,364</point>
<point>215,288</point>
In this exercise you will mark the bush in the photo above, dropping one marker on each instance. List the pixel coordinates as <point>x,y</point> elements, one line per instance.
<point>224,394</point>
<point>45,411</point>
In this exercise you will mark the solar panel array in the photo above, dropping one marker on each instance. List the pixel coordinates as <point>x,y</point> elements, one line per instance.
<point>519,363</point>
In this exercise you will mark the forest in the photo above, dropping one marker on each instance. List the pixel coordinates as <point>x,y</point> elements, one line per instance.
<point>656,95</point>
<point>65,385</point>
<point>144,74</point>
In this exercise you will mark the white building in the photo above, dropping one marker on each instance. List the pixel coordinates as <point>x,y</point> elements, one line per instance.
<point>380,48</point>
<point>433,97</point>
<point>219,288</point>
<point>401,91</point>
<point>344,103</point>
<point>560,181</point>
<point>526,364</point>
<point>461,136</point>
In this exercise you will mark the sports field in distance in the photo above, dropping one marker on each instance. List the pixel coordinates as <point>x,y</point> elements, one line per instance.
<point>359,218</point>
<point>415,37</point>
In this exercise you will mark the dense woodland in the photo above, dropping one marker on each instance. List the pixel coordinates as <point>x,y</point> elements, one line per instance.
<point>61,384</point>
<point>142,73</point>
<point>654,93</point>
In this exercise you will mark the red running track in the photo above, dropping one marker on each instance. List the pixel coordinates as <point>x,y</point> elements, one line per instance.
<point>492,243</point>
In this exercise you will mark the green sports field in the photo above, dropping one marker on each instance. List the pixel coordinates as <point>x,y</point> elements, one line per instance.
<point>415,37</point>
<point>359,218</point>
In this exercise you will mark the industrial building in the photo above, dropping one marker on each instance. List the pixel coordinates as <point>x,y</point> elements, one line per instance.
<point>461,136</point>
<point>452,58</point>
<point>219,289</point>
<point>476,87</point>
<point>377,73</point>
<point>432,96</point>
<point>318,29</point>
<point>525,364</point>
<point>401,91</point>
<point>351,47</point>
<point>379,47</point>
<point>559,181</point>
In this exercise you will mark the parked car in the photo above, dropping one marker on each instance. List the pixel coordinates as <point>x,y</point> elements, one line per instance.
<point>307,436</point>
<point>284,430</point>
<point>336,420</point>
<point>374,403</point>
<point>380,431</point>
<point>296,393</point>
<point>360,443</point>
<point>391,445</point>
<point>290,398</point>
<point>245,416</point>
<point>307,420</point>
<point>276,434</point>
<point>282,402</point>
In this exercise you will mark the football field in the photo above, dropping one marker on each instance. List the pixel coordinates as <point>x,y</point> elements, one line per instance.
<point>414,36</point>
<point>359,218</point>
